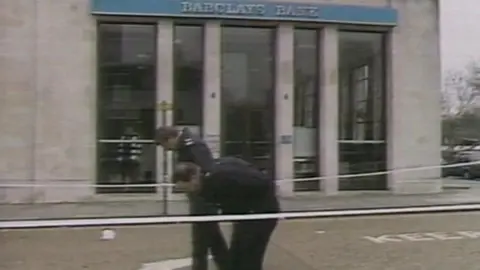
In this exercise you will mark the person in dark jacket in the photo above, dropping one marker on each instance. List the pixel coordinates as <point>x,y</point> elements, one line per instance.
<point>238,188</point>
<point>191,148</point>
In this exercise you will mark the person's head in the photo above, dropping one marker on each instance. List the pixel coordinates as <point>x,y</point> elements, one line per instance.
<point>167,137</point>
<point>186,176</point>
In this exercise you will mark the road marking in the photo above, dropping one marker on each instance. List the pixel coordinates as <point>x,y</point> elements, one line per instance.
<point>172,264</point>
<point>319,232</point>
<point>423,237</point>
<point>167,264</point>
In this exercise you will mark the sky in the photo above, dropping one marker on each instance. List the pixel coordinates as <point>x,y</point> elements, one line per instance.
<point>460,32</point>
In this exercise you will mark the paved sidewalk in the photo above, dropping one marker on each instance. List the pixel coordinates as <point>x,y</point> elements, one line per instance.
<point>399,242</point>
<point>147,207</point>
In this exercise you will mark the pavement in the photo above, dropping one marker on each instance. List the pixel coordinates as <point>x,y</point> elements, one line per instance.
<point>456,192</point>
<point>443,241</point>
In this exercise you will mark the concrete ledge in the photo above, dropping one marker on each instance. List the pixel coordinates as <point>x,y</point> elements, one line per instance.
<point>54,194</point>
<point>46,191</point>
<point>425,186</point>
<point>133,198</point>
<point>17,195</point>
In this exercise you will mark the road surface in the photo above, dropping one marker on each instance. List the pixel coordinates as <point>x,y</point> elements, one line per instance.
<point>408,242</point>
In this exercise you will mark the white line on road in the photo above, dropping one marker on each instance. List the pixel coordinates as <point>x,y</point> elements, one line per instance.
<point>172,264</point>
<point>167,264</point>
<point>423,236</point>
<point>319,232</point>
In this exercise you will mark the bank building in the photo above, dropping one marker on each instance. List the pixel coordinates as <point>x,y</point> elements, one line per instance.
<point>303,89</point>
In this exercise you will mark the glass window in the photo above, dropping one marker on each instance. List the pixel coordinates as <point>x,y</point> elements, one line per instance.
<point>247,94</point>
<point>188,43</point>
<point>361,108</point>
<point>306,54</point>
<point>306,74</point>
<point>126,105</point>
<point>188,76</point>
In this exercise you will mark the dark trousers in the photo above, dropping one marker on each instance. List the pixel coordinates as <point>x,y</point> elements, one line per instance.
<point>206,236</point>
<point>249,242</point>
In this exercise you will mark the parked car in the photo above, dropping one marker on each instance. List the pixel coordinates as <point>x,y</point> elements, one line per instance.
<point>467,171</point>
<point>472,171</point>
<point>451,171</point>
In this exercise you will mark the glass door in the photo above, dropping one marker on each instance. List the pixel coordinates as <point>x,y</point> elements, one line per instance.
<point>126,153</point>
<point>248,95</point>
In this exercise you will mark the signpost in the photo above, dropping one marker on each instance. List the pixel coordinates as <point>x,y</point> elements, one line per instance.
<point>164,107</point>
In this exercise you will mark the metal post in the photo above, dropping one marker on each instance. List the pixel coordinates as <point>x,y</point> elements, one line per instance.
<point>165,170</point>
<point>164,107</point>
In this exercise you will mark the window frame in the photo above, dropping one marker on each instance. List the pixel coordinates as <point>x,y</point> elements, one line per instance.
<point>300,117</point>
<point>346,133</point>
<point>101,141</point>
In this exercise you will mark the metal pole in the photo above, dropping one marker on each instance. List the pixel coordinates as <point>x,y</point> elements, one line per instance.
<point>165,166</point>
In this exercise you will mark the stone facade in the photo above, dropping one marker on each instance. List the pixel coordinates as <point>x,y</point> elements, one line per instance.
<point>48,96</point>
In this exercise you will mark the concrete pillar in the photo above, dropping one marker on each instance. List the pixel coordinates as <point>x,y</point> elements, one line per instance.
<point>413,93</point>
<point>65,117</point>
<point>211,86</point>
<point>328,110</point>
<point>164,92</point>
<point>17,98</point>
<point>284,101</point>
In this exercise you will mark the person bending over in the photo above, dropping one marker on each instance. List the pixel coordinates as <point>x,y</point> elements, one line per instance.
<point>237,187</point>
<point>191,148</point>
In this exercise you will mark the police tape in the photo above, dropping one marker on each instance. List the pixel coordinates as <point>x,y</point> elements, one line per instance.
<point>168,184</point>
<point>159,220</point>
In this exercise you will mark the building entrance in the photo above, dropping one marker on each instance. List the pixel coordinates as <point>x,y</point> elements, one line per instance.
<point>248,95</point>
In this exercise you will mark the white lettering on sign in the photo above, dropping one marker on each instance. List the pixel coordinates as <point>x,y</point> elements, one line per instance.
<point>296,11</point>
<point>223,8</point>
<point>422,237</point>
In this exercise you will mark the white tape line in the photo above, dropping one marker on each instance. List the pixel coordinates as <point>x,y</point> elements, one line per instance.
<point>341,176</point>
<point>36,224</point>
<point>127,141</point>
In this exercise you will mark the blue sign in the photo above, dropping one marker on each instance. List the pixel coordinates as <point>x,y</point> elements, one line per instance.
<point>278,11</point>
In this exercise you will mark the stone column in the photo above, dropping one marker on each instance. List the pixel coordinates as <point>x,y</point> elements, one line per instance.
<point>211,86</point>
<point>164,92</point>
<point>414,115</point>
<point>328,110</point>
<point>65,118</point>
<point>284,99</point>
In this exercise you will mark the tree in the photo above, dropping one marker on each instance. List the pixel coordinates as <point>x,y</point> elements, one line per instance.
<point>460,104</point>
